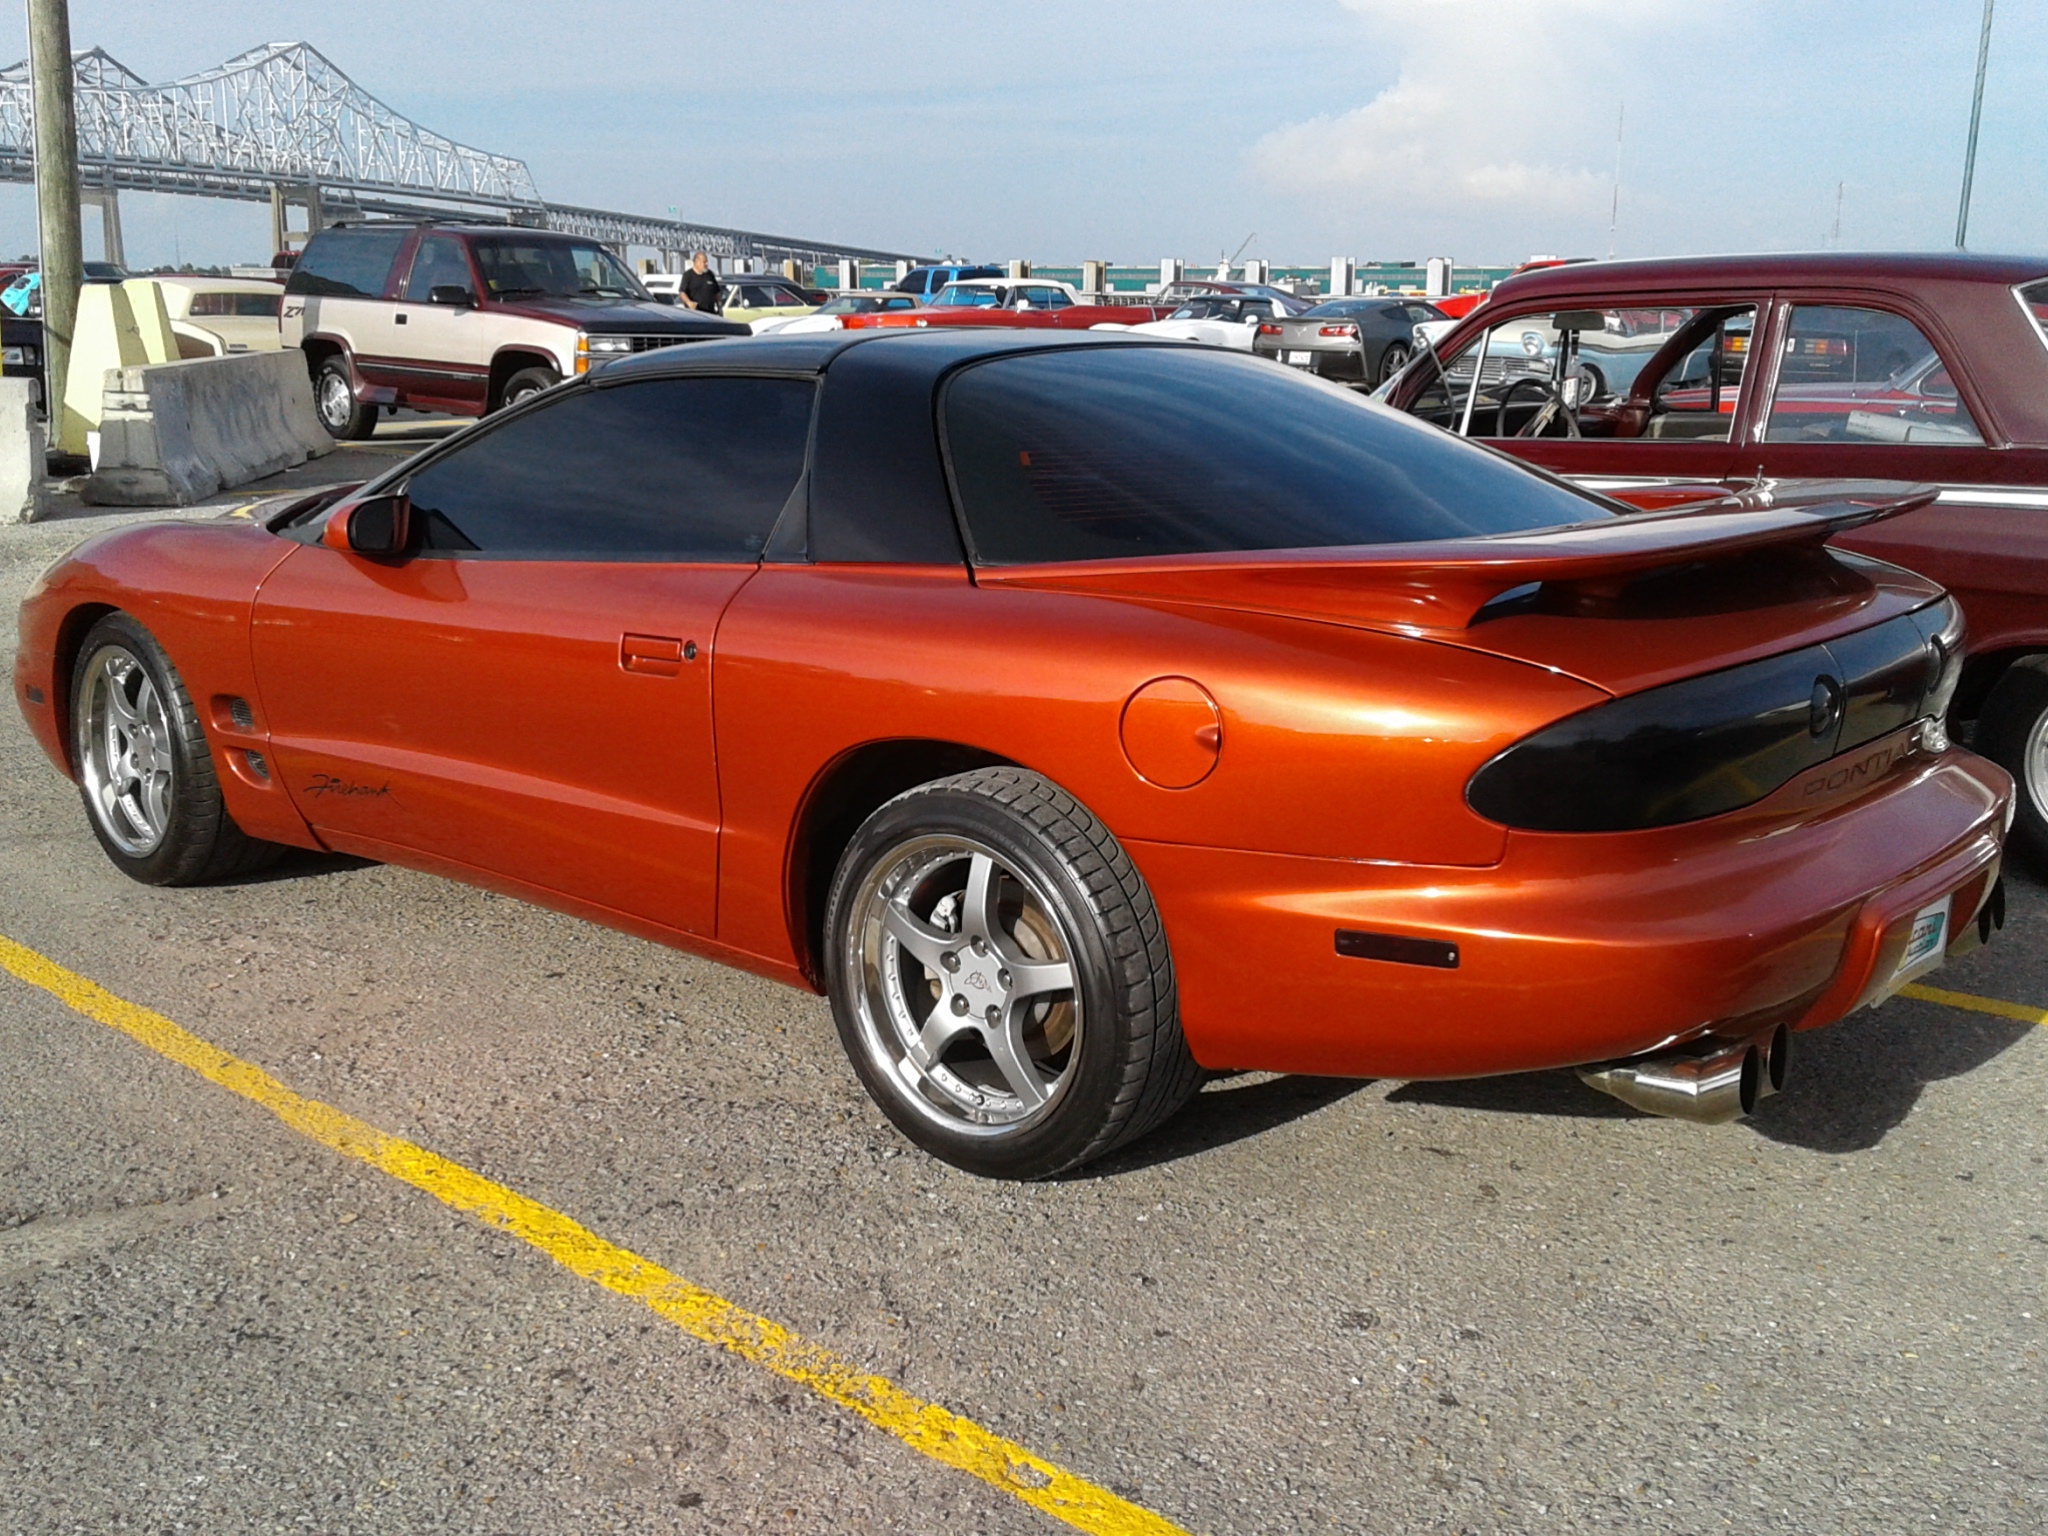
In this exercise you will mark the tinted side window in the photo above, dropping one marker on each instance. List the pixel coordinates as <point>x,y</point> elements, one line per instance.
<point>347,263</point>
<point>439,263</point>
<point>669,469</point>
<point>1120,452</point>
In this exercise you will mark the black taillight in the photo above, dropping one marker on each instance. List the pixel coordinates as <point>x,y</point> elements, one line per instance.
<point>1718,742</point>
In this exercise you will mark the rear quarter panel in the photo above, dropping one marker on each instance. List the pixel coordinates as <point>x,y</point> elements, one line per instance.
<point>1336,741</point>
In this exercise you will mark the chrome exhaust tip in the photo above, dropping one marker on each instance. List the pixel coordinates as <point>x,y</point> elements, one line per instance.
<point>1776,1049</point>
<point>1710,1082</point>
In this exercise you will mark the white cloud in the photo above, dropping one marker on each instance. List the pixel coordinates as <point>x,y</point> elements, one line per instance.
<point>1503,107</point>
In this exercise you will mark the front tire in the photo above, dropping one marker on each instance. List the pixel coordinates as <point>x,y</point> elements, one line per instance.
<point>1000,977</point>
<point>334,397</point>
<point>2012,731</point>
<point>144,769</point>
<point>526,383</point>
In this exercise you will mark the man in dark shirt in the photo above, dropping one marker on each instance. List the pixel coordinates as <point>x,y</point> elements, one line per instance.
<point>701,288</point>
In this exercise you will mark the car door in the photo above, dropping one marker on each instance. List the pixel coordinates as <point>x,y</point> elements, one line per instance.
<point>1653,390</point>
<point>444,351</point>
<point>528,693</point>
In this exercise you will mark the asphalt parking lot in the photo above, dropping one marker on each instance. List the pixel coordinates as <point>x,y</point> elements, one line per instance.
<point>1497,1306</point>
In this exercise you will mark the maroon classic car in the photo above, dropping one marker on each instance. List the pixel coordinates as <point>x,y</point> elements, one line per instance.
<point>1664,382</point>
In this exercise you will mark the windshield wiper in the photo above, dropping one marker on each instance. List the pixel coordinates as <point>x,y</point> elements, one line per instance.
<point>507,293</point>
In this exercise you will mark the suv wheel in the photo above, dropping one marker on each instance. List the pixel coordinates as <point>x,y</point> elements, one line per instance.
<point>1001,979</point>
<point>144,769</point>
<point>334,396</point>
<point>526,383</point>
<point>2013,732</point>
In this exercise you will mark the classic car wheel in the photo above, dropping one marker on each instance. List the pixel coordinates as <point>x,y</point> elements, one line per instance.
<point>526,382</point>
<point>1392,361</point>
<point>1000,977</point>
<point>334,394</point>
<point>144,769</point>
<point>2013,733</point>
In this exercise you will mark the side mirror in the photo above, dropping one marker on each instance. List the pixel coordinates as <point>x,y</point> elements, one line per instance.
<point>452,294</point>
<point>380,528</point>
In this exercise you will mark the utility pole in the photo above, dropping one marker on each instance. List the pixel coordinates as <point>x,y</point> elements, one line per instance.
<point>1976,112</point>
<point>1614,211</point>
<point>56,138</point>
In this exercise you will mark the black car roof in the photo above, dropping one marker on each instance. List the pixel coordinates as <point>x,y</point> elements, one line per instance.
<point>930,351</point>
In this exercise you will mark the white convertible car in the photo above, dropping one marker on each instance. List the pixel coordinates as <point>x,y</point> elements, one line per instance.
<point>1215,320</point>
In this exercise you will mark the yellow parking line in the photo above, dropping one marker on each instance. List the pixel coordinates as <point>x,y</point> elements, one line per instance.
<point>924,1426</point>
<point>1975,1004</point>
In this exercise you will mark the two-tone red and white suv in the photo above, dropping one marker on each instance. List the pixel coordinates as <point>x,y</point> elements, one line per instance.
<point>465,318</point>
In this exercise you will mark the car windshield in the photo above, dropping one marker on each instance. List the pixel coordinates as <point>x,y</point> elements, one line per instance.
<point>850,304</point>
<point>557,269</point>
<point>1113,452</point>
<point>955,296</point>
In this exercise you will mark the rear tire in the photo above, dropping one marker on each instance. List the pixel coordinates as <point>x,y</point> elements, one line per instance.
<point>1000,977</point>
<point>2012,730</point>
<point>334,397</point>
<point>144,769</point>
<point>526,383</point>
<point>1392,361</point>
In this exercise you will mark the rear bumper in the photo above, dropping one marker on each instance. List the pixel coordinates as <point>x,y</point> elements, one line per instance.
<point>1575,948</point>
<point>1343,361</point>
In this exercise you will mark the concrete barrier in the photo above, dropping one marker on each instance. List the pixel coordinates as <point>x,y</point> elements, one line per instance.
<point>172,434</point>
<point>21,452</point>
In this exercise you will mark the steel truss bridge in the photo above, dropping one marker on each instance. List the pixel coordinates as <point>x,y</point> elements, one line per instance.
<point>282,125</point>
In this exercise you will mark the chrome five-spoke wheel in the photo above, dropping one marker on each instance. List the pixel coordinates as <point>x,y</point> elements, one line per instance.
<point>145,771</point>
<point>125,752</point>
<point>1000,976</point>
<point>967,994</point>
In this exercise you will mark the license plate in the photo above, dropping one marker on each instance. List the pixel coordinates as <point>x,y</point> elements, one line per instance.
<point>1299,359</point>
<point>1926,943</point>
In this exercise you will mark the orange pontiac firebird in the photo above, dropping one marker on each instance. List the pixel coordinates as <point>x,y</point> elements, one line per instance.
<point>1078,714</point>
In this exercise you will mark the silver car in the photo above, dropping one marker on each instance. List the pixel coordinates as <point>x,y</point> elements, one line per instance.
<point>1351,341</point>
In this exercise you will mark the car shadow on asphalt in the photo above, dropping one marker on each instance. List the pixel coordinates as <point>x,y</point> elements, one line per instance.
<point>1855,1081</point>
<point>1851,1083</point>
<point>299,864</point>
<point>1231,1107</point>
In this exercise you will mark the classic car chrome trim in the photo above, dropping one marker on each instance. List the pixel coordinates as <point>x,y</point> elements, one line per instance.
<point>1994,496</point>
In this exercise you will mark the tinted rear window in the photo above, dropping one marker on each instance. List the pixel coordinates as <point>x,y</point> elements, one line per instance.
<point>1115,452</point>
<point>347,263</point>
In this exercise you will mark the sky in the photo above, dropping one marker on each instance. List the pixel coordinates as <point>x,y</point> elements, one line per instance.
<point>1130,130</point>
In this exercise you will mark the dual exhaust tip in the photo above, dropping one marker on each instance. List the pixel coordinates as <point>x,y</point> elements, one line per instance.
<point>1711,1081</point>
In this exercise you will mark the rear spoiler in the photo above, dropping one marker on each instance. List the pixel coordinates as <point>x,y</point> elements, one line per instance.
<point>1443,584</point>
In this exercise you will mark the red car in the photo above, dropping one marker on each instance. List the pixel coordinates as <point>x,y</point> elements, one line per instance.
<point>1012,303</point>
<point>1078,713</point>
<point>1636,378</point>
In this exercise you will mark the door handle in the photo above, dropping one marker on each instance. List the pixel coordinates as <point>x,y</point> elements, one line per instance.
<point>655,655</point>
